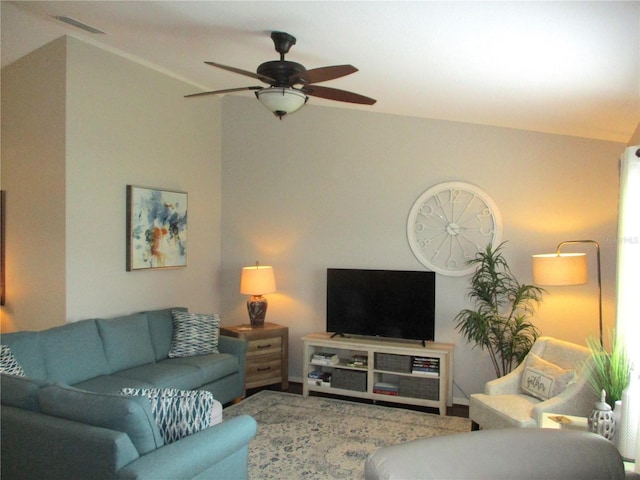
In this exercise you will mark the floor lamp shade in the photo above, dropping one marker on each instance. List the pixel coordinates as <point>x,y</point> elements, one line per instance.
<point>560,269</point>
<point>567,269</point>
<point>256,281</point>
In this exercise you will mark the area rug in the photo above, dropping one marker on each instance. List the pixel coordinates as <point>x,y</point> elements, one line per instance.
<point>322,438</point>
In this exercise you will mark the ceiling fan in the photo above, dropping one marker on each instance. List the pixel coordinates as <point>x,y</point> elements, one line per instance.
<point>290,83</point>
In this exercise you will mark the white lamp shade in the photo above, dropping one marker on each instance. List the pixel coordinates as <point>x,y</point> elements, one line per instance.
<point>560,269</point>
<point>281,100</point>
<point>257,280</point>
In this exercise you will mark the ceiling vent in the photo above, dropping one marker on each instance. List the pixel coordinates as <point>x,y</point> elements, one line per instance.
<point>83,26</point>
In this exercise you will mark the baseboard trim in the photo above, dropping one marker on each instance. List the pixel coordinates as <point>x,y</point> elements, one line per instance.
<point>461,401</point>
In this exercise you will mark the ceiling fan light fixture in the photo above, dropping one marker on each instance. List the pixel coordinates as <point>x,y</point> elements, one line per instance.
<point>281,100</point>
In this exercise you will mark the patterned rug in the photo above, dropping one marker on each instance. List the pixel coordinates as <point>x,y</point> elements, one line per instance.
<point>322,438</point>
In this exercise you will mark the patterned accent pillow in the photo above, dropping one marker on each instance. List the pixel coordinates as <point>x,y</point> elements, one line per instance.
<point>8,363</point>
<point>194,334</point>
<point>178,413</point>
<point>544,380</point>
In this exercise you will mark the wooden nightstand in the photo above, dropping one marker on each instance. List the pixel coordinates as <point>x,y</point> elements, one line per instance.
<point>267,353</point>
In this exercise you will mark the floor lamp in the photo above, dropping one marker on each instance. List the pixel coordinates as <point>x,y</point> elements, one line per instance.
<point>567,269</point>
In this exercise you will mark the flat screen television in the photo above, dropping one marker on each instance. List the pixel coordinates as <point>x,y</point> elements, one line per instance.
<point>381,303</point>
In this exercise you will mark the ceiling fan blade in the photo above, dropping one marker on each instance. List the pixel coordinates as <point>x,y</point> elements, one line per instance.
<point>322,74</point>
<point>228,90</point>
<point>246,73</point>
<point>338,95</point>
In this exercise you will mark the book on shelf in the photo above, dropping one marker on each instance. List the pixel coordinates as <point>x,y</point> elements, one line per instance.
<point>391,393</point>
<point>325,358</point>
<point>428,365</point>
<point>385,388</point>
<point>426,360</point>
<point>425,364</point>
<point>430,372</point>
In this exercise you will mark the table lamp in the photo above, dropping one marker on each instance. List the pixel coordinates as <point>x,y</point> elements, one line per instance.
<point>256,281</point>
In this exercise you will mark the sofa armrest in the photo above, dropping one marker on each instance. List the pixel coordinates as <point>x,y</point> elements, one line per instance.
<point>507,385</point>
<point>198,453</point>
<point>35,445</point>
<point>237,347</point>
<point>234,346</point>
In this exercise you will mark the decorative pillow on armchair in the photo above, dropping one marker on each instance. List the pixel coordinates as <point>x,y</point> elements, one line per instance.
<point>544,380</point>
<point>179,413</point>
<point>194,334</point>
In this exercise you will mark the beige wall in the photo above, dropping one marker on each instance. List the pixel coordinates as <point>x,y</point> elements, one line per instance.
<point>33,175</point>
<point>115,123</point>
<point>330,187</point>
<point>635,138</point>
<point>325,187</point>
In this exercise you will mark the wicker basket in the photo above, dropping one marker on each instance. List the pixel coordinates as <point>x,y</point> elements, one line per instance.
<point>426,388</point>
<point>393,363</point>
<point>349,380</point>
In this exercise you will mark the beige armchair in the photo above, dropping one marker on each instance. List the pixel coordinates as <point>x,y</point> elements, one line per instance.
<point>506,404</point>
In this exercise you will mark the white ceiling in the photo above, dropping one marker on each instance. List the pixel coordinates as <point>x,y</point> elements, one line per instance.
<point>570,68</point>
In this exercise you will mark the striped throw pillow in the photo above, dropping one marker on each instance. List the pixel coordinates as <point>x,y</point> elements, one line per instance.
<point>178,413</point>
<point>8,363</point>
<point>194,334</point>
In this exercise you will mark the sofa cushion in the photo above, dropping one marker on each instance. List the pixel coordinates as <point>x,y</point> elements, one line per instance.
<point>127,342</point>
<point>73,352</point>
<point>164,375</point>
<point>129,415</point>
<point>111,384</point>
<point>161,330</point>
<point>26,348</point>
<point>212,367</point>
<point>21,392</point>
<point>543,380</point>
<point>179,413</point>
<point>8,363</point>
<point>194,334</point>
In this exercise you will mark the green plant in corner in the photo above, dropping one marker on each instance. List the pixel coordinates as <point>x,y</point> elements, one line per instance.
<point>500,322</point>
<point>609,371</point>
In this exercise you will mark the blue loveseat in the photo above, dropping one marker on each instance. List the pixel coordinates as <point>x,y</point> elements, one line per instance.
<point>66,418</point>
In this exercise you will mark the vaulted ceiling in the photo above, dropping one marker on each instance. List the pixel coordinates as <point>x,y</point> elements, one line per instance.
<point>571,68</point>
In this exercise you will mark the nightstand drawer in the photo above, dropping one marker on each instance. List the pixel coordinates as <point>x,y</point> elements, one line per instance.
<point>264,372</point>
<point>264,346</point>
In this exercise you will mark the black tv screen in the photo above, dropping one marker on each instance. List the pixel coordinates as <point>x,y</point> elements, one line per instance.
<point>381,303</point>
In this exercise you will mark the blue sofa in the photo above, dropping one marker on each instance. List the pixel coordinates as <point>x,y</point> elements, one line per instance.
<point>66,418</point>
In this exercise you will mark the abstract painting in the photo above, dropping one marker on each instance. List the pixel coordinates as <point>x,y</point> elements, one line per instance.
<point>156,228</point>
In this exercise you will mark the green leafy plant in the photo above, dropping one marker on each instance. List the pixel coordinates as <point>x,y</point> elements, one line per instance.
<point>500,322</point>
<point>609,370</point>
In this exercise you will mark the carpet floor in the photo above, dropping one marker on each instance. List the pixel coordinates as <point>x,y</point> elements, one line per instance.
<point>323,438</point>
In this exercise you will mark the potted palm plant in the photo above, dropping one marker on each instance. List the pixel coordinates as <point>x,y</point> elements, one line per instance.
<point>500,322</point>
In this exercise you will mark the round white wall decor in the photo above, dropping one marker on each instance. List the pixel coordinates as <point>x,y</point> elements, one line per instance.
<point>449,223</point>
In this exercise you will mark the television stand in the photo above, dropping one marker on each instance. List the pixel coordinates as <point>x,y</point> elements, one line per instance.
<point>398,371</point>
